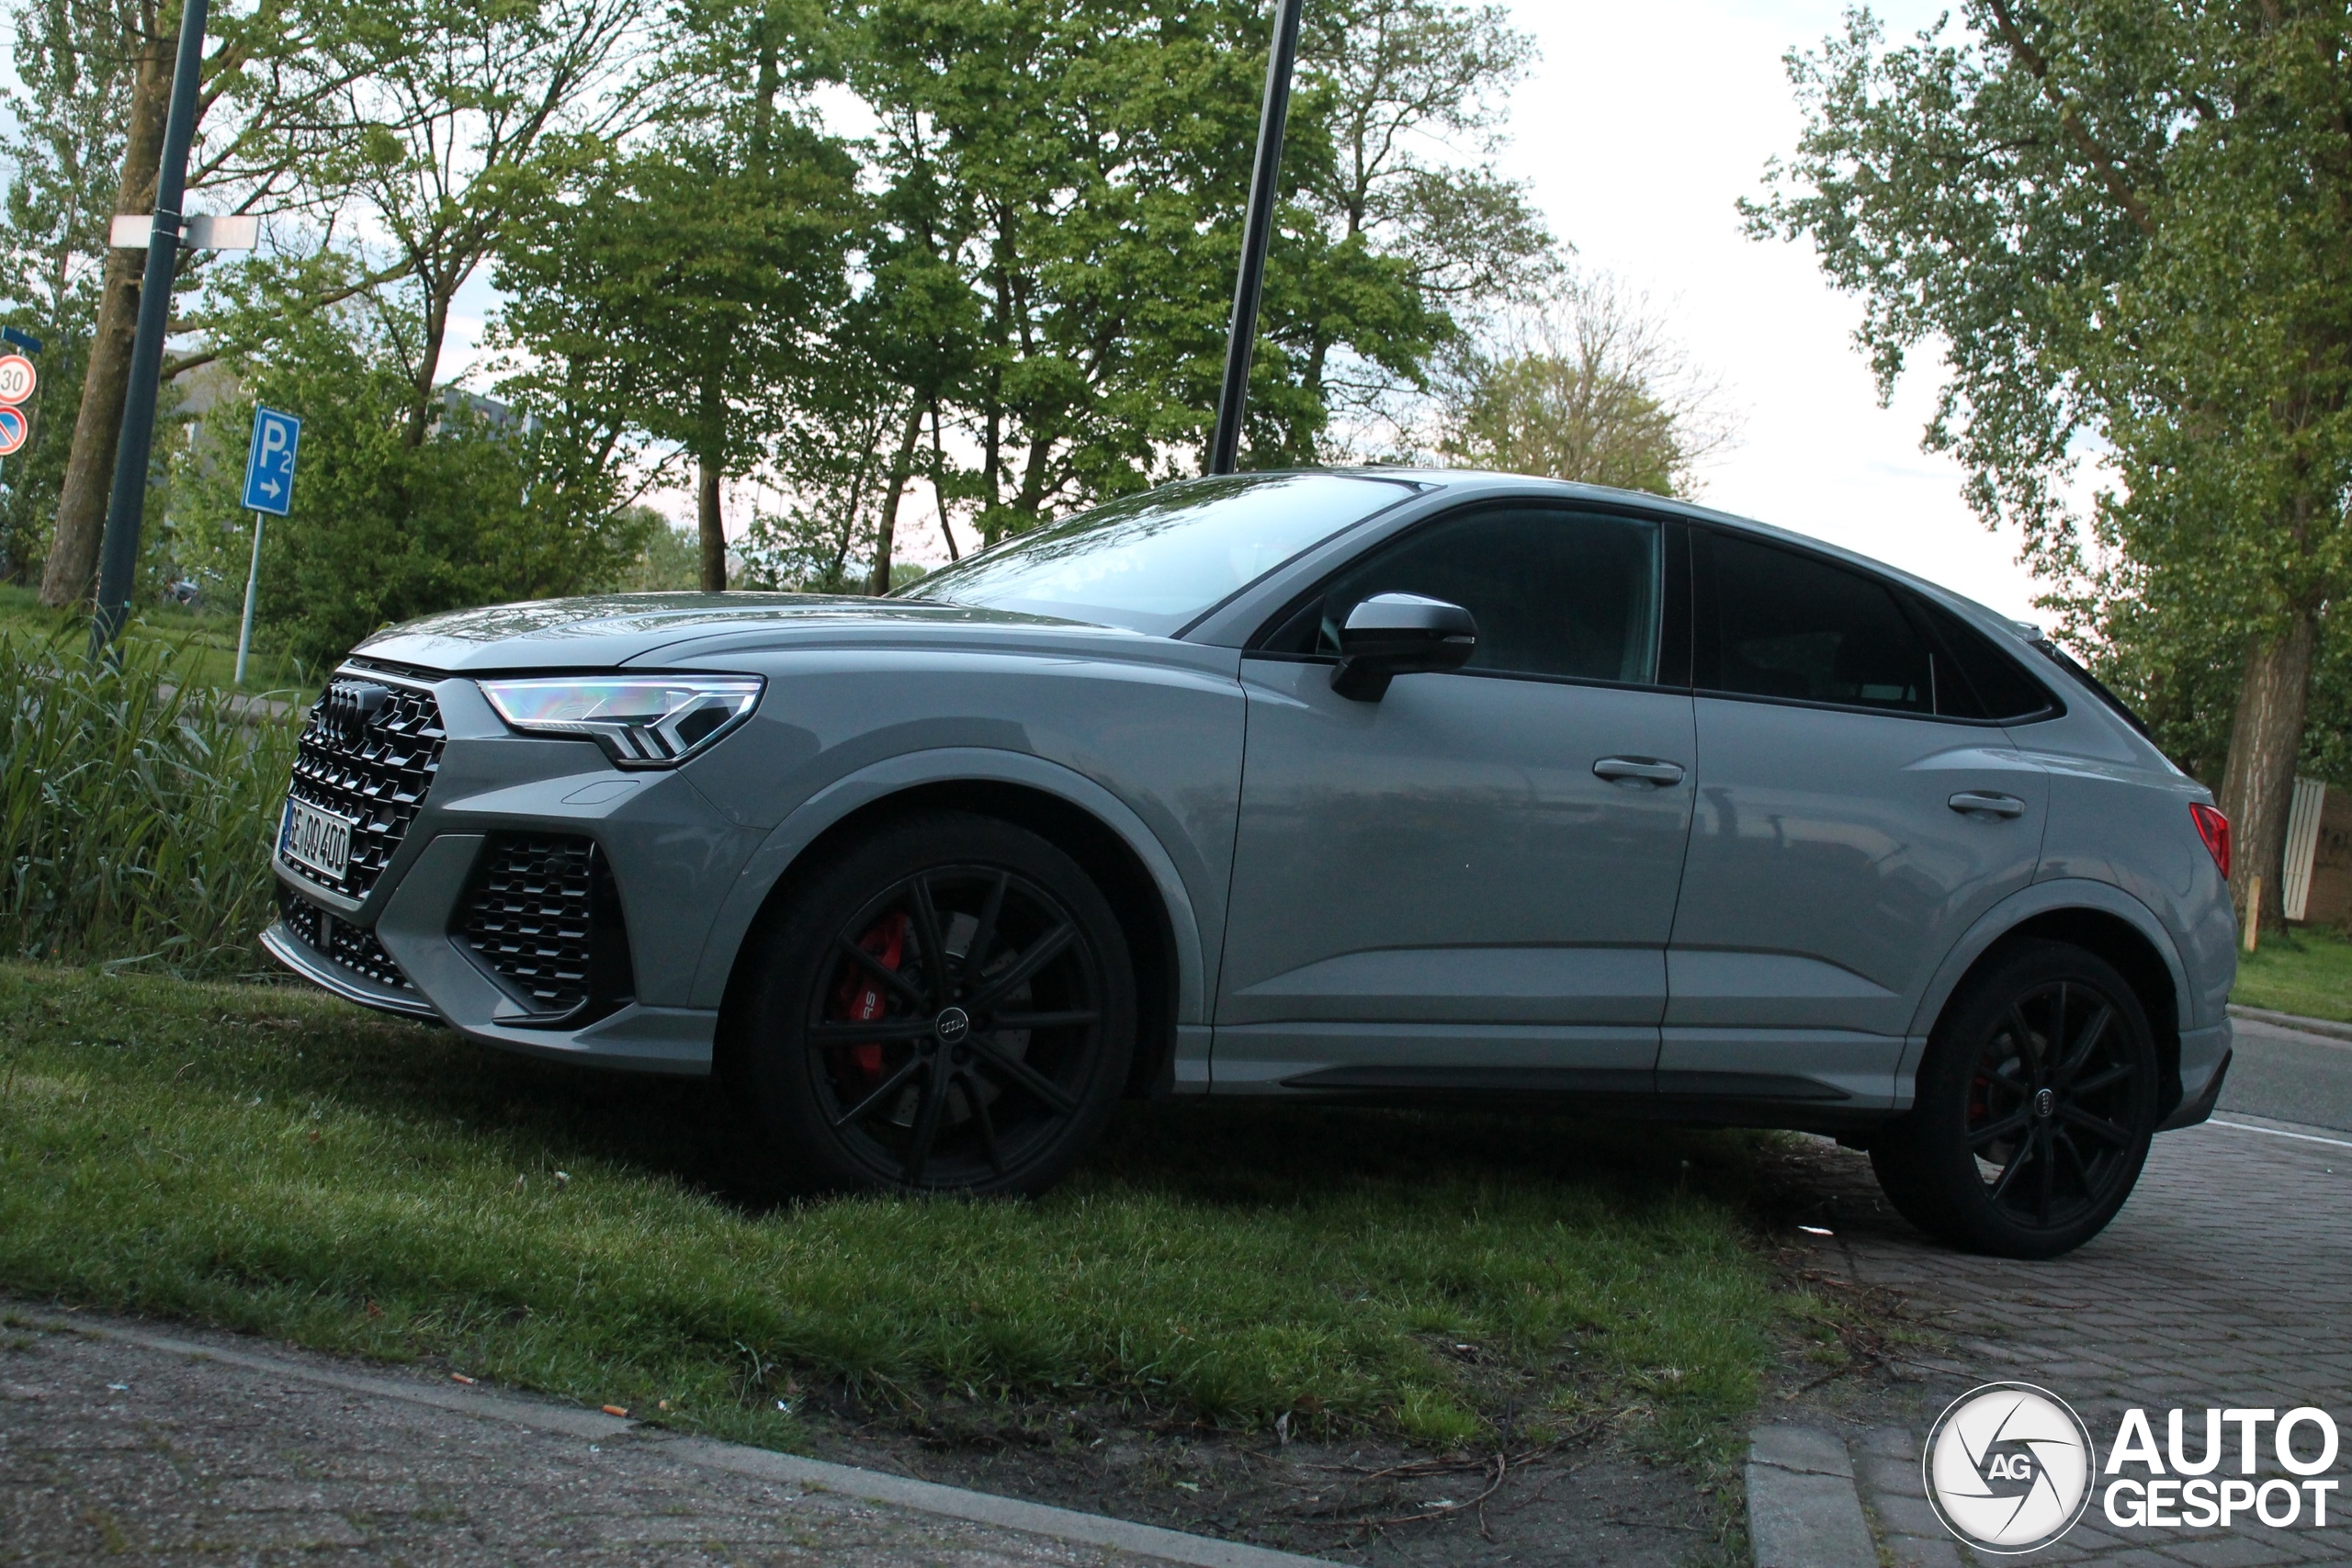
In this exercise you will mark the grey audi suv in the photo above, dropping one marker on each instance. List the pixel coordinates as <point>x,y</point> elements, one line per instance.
<point>1387,785</point>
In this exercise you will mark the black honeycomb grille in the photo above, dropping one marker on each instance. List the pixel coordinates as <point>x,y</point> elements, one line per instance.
<point>354,947</point>
<point>542,915</point>
<point>368,755</point>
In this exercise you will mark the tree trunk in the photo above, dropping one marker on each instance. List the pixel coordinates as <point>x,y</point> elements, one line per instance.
<point>436,330</point>
<point>2259,786</point>
<point>878,582</point>
<point>89,466</point>
<point>938,488</point>
<point>714,531</point>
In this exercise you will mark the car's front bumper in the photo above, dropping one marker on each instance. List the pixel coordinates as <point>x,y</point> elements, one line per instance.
<point>669,855</point>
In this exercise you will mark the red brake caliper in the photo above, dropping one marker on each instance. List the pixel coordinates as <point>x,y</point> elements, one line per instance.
<point>861,998</point>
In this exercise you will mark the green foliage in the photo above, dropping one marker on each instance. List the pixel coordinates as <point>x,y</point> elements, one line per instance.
<point>2181,673</point>
<point>1588,388</point>
<point>489,508</point>
<point>136,807</point>
<point>1409,90</point>
<point>686,291</point>
<point>276,1161</point>
<point>2118,223</point>
<point>64,150</point>
<point>667,562</point>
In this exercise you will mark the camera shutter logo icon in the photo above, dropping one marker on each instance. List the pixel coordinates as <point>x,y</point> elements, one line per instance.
<point>2008,1468</point>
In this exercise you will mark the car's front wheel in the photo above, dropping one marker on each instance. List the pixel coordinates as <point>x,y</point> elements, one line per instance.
<point>2037,1101</point>
<point>948,1006</point>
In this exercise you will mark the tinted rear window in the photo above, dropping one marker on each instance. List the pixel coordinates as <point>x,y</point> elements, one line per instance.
<point>1792,625</point>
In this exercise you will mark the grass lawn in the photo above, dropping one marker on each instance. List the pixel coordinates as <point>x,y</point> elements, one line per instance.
<point>2308,973</point>
<point>271,1159</point>
<point>209,637</point>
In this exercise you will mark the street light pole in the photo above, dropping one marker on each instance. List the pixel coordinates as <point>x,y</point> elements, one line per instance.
<point>1257,230</point>
<point>126,508</point>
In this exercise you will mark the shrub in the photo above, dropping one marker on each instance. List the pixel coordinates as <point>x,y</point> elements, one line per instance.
<point>136,807</point>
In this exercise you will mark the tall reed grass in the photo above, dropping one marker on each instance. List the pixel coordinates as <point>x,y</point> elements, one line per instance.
<point>136,809</point>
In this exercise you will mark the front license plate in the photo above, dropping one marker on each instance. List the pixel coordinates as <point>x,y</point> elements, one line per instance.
<point>316,839</point>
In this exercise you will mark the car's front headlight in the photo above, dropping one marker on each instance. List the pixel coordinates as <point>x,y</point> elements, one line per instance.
<point>641,721</point>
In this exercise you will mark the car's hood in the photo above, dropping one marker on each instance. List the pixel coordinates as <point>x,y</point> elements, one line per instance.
<point>608,630</point>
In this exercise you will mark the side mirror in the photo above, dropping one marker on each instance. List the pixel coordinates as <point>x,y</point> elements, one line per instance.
<point>1400,634</point>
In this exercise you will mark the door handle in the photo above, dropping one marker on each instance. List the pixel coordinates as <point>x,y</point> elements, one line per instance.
<point>1973,803</point>
<point>1638,770</point>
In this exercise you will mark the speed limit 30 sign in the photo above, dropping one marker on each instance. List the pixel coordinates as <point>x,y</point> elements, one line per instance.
<point>16,378</point>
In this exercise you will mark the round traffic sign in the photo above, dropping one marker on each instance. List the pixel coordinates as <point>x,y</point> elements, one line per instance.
<point>13,426</point>
<point>18,378</point>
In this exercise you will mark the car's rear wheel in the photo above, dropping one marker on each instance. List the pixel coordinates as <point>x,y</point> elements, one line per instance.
<point>947,1007</point>
<point>2037,1101</point>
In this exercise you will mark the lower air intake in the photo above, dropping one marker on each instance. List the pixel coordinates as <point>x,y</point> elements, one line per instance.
<point>336,939</point>
<point>543,916</point>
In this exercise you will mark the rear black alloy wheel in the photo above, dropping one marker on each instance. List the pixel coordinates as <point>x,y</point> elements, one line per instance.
<point>949,1009</point>
<point>2037,1102</point>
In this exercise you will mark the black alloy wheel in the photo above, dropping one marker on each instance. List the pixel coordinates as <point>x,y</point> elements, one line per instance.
<point>2036,1104</point>
<point>947,1009</point>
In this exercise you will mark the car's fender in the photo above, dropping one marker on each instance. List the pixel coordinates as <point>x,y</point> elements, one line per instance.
<point>959,764</point>
<point>2038,898</point>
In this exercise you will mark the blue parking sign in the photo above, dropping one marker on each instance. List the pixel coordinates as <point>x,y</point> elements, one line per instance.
<point>269,463</point>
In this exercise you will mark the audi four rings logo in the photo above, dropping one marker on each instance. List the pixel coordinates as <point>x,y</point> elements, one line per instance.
<point>2008,1468</point>
<point>348,708</point>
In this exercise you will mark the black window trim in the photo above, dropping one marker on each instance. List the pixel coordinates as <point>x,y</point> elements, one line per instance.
<point>2098,688</point>
<point>1674,568</point>
<point>1705,611</point>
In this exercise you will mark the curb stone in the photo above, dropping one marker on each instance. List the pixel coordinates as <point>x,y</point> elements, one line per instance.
<point>1802,1510</point>
<point>814,1475</point>
<point>2329,1027</point>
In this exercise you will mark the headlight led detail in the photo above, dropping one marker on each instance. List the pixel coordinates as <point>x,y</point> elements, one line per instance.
<point>641,721</point>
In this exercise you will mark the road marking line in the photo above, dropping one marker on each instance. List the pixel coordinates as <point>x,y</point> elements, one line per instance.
<point>2275,1133</point>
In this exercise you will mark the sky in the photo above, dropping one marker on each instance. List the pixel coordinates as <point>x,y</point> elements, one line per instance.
<point>1638,129</point>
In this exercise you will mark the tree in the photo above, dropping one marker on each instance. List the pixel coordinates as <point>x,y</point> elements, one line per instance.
<point>64,152</point>
<point>687,290</point>
<point>1400,83</point>
<point>1588,387</point>
<point>277,70</point>
<point>489,104</point>
<point>1095,163</point>
<point>491,506</point>
<point>2129,224</point>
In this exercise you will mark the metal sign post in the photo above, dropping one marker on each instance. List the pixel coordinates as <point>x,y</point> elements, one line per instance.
<point>269,491</point>
<point>1257,230</point>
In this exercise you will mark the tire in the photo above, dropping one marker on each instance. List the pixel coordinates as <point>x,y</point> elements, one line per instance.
<point>2010,1149</point>
<point>948,1006</point>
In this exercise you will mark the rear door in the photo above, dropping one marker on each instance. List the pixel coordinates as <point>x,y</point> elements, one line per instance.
<point>1469,883</point>
<point>1855,813</point>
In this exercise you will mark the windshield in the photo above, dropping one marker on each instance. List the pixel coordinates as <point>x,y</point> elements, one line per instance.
<point>1154,562</point>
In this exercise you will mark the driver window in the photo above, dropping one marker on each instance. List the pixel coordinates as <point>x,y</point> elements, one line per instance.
<point>1554,593</point>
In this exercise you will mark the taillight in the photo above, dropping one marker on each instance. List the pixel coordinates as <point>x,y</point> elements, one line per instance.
<point>2214,829</point>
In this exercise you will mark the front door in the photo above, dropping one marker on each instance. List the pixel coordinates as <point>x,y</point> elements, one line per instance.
<point>1856,813</point>
<point>1471,882</point>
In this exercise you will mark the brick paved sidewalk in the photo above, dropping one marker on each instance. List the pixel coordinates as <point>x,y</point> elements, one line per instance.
<point>2226,1281</point>
<point>113,1451</point>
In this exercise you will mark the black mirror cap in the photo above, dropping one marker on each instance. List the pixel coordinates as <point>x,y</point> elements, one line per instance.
<point>1390,634</point>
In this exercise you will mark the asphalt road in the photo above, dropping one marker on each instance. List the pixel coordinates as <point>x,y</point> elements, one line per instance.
<point>2289,1075</point>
